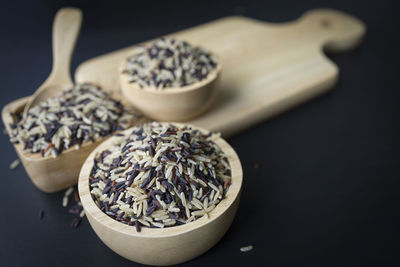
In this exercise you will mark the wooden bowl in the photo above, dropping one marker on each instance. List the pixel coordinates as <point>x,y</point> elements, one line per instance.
<point>163,246</point>
<point>172,104</point>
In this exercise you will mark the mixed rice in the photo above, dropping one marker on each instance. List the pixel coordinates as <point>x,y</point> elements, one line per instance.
<point>168,63</point>
<point>79,115</point>
<point>159,176</point>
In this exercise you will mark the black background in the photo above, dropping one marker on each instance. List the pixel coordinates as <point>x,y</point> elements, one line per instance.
<point>327,192</point>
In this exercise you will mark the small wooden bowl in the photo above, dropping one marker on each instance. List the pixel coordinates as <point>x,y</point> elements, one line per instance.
<point>163,246</point>
<point>172,104</point>
<point>47,173</point>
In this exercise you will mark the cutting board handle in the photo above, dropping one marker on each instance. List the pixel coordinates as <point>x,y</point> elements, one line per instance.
<point>335,31</point>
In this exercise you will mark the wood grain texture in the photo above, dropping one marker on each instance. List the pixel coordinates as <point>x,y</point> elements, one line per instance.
<point>267,68</point>
<point>163,246</point>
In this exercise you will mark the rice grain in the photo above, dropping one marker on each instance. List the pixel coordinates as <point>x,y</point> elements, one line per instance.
<point>14,164</point>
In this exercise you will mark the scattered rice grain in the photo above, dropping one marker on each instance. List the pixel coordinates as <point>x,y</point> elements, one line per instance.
<point>14,164</point>
<point>246,248</point>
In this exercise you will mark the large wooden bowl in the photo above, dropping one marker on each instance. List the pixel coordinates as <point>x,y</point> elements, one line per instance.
<point>163,246</point>
<point>172,104</point>
<point>47,173</point>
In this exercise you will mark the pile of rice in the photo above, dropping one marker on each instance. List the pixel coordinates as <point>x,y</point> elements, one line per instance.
<point>160,175</point>
<point>79,115</point>
<point>169,63</point>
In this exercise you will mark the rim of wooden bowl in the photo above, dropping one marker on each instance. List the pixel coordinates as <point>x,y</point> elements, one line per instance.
<point>211,76</point>
<point>18,105</point>
<point>92,210</point>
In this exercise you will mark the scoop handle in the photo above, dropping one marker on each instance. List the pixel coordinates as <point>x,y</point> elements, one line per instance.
<point>66,28</point>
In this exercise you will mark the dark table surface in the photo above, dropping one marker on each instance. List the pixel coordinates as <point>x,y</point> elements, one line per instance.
<point>327,190</point>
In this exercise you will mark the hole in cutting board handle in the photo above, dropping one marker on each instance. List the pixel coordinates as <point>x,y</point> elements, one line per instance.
<point>326,23</point>
<point>334,30</point>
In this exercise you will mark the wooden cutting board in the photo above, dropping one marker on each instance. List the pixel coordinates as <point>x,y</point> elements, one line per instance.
<point>267,68</point>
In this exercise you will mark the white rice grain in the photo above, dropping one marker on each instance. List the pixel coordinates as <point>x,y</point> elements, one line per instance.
<point>246,248</point>
<point>69,191</point>
<point>65,201</point>
<point>14,164</point>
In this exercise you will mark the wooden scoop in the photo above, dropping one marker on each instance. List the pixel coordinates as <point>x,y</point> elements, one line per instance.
<point>47,173</point>
<point>66,27</point>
